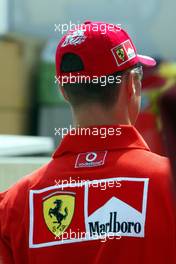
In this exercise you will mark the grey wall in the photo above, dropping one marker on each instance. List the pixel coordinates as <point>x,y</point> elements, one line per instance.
<point>151,23</point>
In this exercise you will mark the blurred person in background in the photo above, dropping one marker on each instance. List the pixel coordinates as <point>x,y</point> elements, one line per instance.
<point>104,197</point>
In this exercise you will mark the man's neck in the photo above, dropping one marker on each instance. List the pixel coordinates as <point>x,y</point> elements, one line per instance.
<point>97,117</point>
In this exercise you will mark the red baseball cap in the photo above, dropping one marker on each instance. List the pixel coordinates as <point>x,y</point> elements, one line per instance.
<point>103,48</point>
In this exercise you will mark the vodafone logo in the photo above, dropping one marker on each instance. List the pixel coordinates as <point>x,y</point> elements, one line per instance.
<point>90,159</point>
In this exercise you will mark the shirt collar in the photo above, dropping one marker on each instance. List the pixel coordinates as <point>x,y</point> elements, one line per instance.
<point>129,139</point>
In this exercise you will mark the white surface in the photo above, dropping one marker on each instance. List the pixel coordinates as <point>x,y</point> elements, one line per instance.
<point>13,169</point>
<point>25,145</point>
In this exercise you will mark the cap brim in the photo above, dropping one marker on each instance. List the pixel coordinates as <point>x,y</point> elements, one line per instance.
<point>146,61</point>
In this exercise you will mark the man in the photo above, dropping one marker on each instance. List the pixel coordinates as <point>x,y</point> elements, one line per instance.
<point>104,197</point>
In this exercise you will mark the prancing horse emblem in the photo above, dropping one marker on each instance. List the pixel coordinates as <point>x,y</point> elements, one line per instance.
<point>56,211</point>
<point>121,54</point>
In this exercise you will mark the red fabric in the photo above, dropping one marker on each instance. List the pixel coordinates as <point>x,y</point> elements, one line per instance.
<point>153,82</point>
<point>147,126</point>
<point>145,180</point>
<point>102,44</point>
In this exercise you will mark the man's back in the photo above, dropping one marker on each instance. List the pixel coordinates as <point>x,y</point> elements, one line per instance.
<point>100,200</point>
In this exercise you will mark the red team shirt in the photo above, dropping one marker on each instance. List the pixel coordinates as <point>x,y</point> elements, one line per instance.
<point>99,200</point>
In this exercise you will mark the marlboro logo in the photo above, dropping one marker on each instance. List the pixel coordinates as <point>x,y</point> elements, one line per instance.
<point>58,212</point>
<point>114,226</point>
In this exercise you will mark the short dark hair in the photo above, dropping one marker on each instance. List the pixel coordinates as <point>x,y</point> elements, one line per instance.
<point>80,93</point>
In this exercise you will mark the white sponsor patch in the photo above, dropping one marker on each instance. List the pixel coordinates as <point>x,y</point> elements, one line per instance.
<point>90,159</point>
<point>86,211</point>
<point>123,52</point>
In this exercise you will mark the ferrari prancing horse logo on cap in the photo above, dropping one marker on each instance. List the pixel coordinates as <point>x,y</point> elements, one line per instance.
<point>58,212</point>
<point>120,52</point>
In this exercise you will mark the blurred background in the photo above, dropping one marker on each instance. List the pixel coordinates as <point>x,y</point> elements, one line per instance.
<point>31,106</point>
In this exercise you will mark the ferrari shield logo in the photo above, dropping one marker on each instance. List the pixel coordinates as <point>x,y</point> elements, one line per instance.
<point>120,53</point>
<point>58,210</point>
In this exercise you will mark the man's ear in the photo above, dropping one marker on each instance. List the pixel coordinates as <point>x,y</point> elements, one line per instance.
<point>134,84</point>
<point>131,84</point>
<point>63,93</point>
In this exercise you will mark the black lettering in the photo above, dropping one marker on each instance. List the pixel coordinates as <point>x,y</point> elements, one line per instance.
<point>110,221</point>
<point>130,225</point>
<point>137,227</point>
<point>94,228</point>
<point>102,229</point>
<point>124,227</point>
